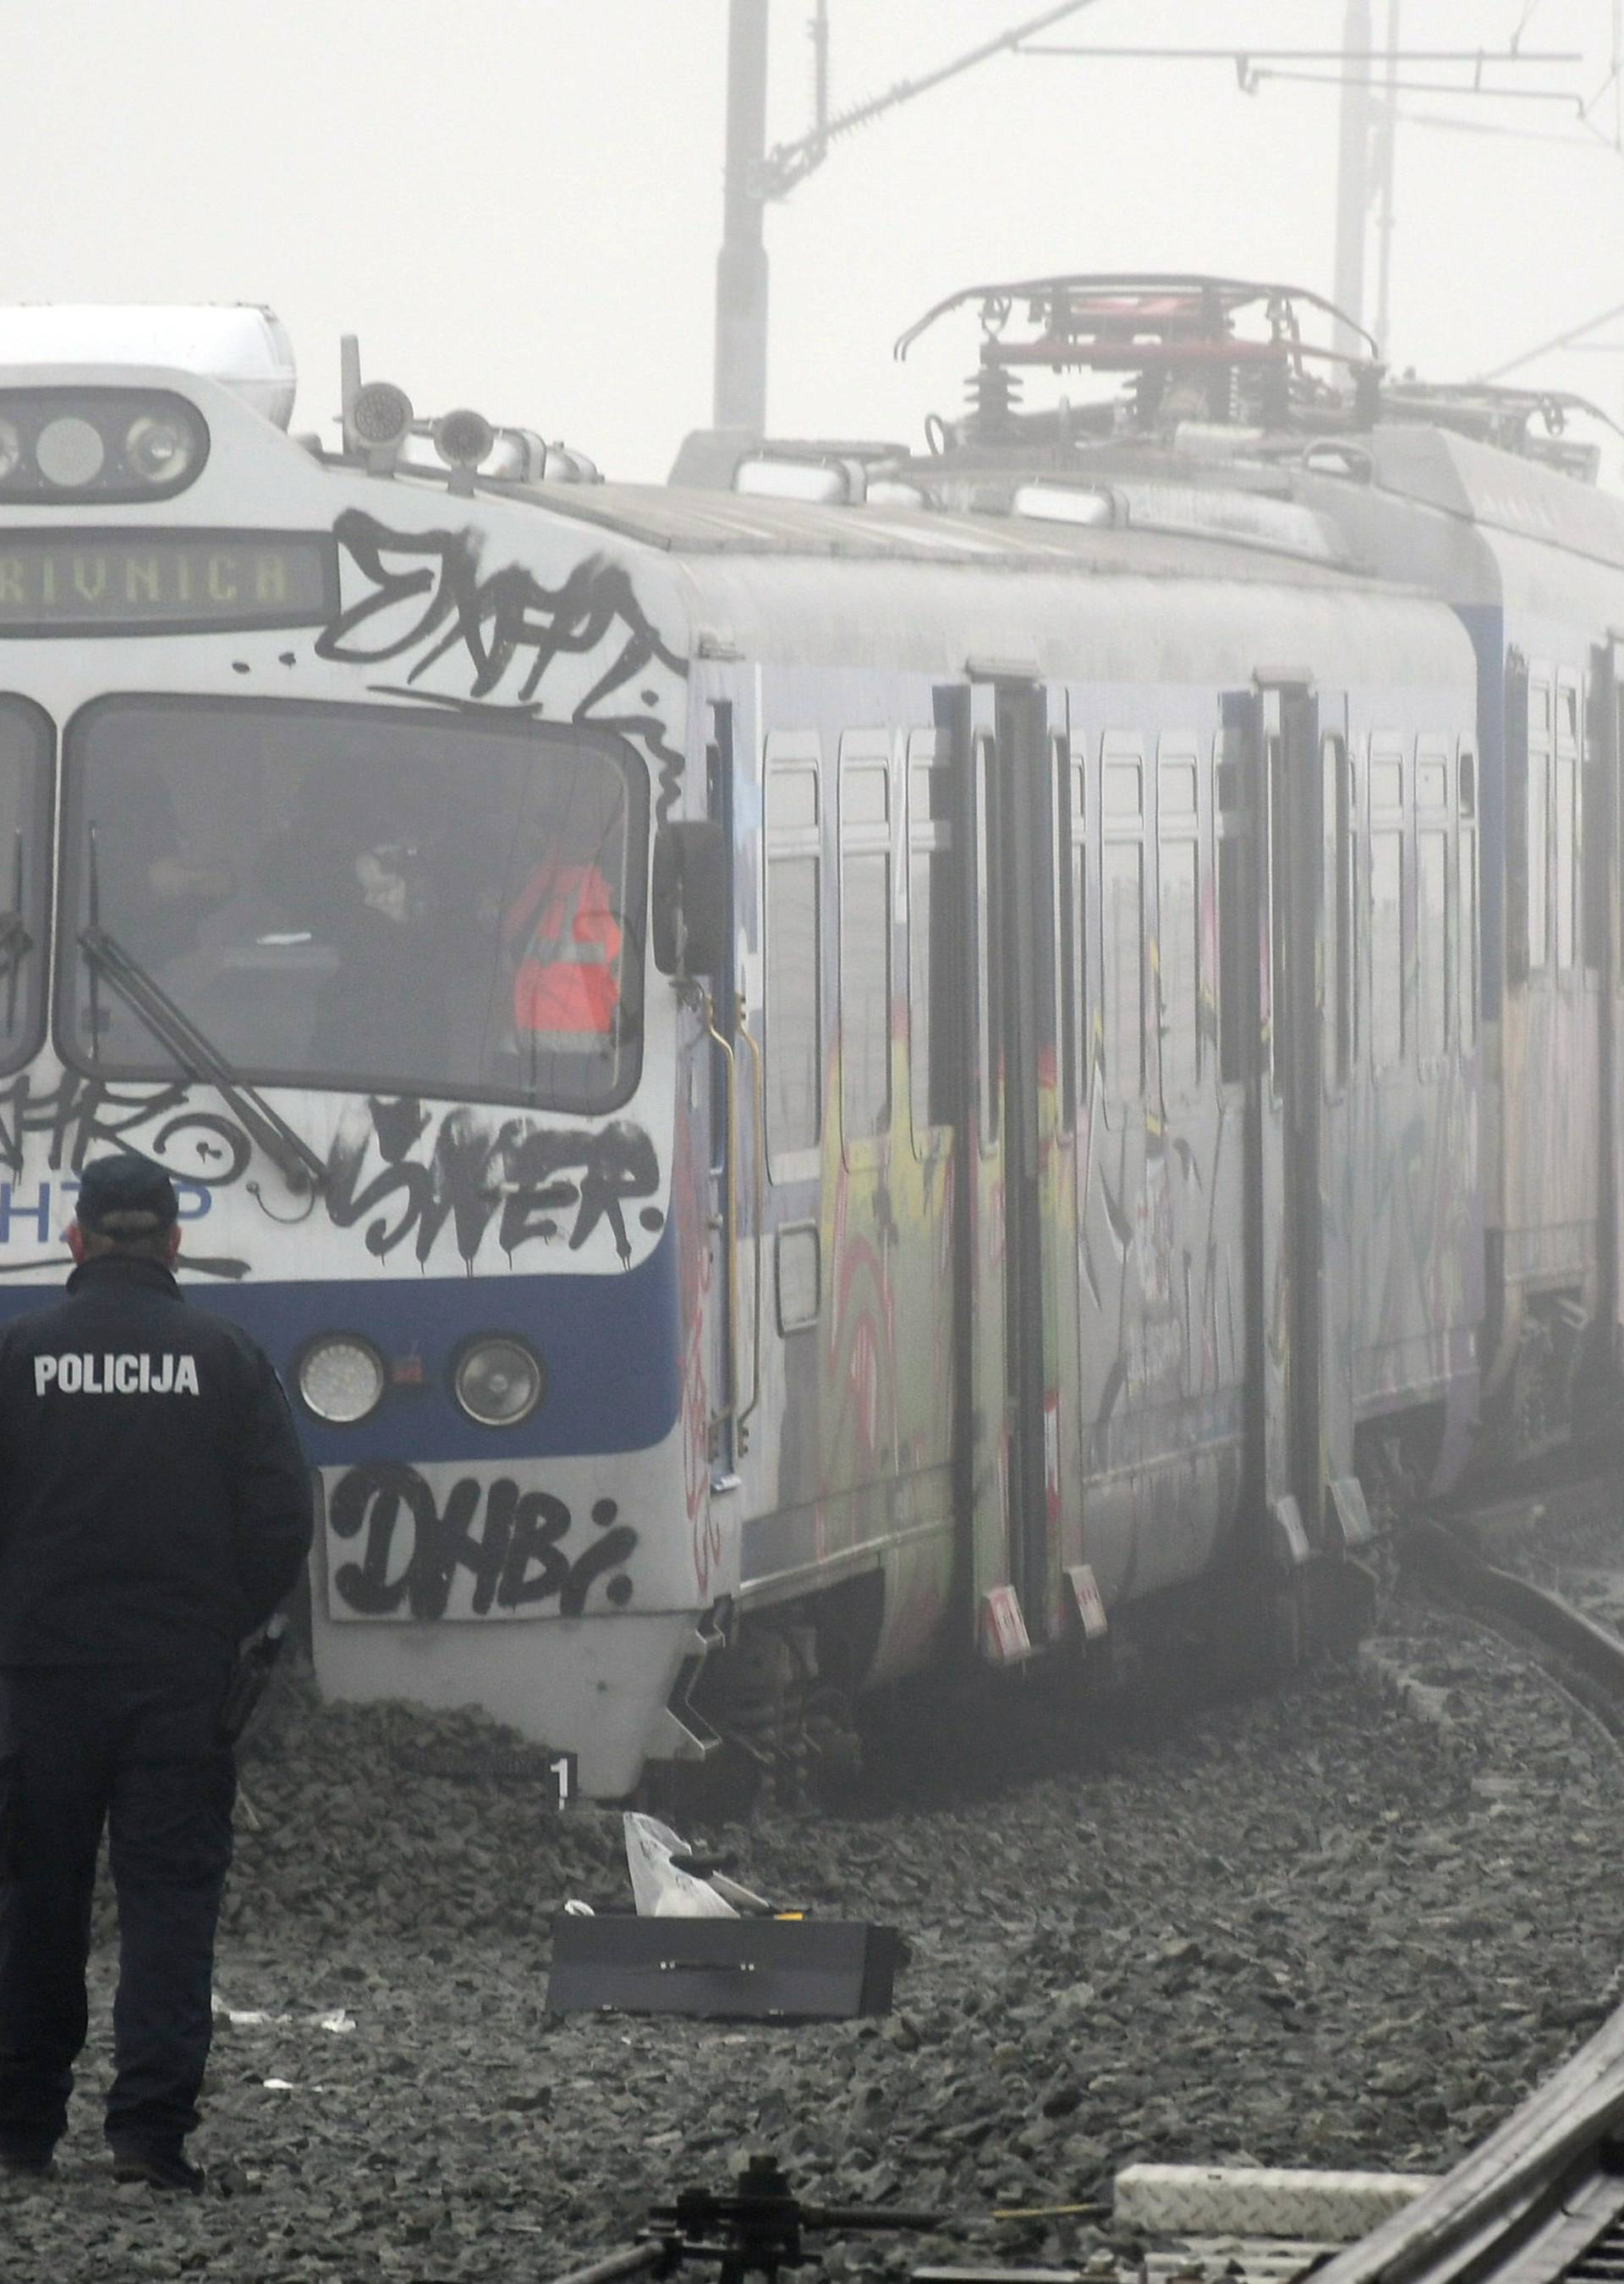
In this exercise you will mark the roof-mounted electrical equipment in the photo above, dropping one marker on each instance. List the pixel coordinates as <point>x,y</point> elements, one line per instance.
<point>382,430</point>
<point>1247,519</point>
<point>1531,422</point>
<point>1220,350</point>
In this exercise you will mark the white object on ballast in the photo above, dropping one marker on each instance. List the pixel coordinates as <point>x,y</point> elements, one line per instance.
<point>663,1889</point>
<point>1260,2201</point>
<point>240,344</point>
<point>660,1891</point>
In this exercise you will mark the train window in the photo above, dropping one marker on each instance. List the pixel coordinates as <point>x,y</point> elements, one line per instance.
<point>1538,836</point>
<point>798,1263</point>
<point>1567,791</point>
<point>1466,895</point>
<point>1236,952</point>
<point>1121,789</point>
<point>1237,925</point>
<point>791,795</point>
<point>1432,783</point>
<point>1061,796</point>
<point>403,902</point>
<point>866,793</point>
<point>26,742</point>
<point>1466,861</point>
<point>1178,919</point>
<point>1539,708</point>
<point>1177,795</point>
<point>795,943</point>
<point>933,998</point>
<point>1122,883</point>
<point>1178,943</point>
<point>1336,792</point>
<point>986,1043</point>
<point>1431,943</point>
<point>1387,948</point>
<point>1387,781</point>
<point>1567,715</point>
<point>794,1103</point>
<point>1277,888</point>
<point>1077,968</point>
<point>865,940</point>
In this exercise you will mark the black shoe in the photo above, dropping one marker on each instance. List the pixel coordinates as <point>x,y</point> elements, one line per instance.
<point>160,2169</point>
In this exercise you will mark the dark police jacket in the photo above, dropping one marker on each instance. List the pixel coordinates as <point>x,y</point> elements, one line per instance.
<point>154,1502</point>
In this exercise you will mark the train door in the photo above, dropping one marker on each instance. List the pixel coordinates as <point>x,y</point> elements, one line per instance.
<point>1005,816</point>
<point>1603,818</point>
<point>1300,1404</point>
<point>725,1331</point>
<point>1024,852</point>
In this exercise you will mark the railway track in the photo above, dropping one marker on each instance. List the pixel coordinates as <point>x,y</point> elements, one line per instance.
<point>1584,1655</point>
<point>1543,2197</point>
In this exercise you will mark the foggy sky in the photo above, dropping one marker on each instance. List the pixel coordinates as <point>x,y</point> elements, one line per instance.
<point>516,203</point>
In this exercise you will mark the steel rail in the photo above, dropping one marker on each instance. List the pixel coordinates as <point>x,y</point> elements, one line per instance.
<point>1530,2202</point>
<point>1594,1648</point>
<point>1516,2189</point>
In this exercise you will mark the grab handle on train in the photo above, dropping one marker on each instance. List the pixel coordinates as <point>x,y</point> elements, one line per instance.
<point>758,1096</point>
<point>729,1209</point>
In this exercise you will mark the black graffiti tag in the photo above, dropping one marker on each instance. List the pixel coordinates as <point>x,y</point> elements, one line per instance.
<point>531,1181</point>
<point>517,1175</point>
<point>432,580</point>
<point>77,1113</point>
<point>516,1559</point>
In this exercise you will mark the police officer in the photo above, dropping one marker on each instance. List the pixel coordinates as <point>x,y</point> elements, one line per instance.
<point>154,1509</point>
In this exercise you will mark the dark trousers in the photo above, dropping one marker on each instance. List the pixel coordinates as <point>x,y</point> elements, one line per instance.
<point>134,1748</point>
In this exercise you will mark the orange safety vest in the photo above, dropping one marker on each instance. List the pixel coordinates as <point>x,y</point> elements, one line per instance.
<point>567,984</point>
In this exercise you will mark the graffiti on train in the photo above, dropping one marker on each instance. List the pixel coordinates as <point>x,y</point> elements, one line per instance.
<point>395,1170</point>
<point>533,1183</point>
<point>491,1550</point>
<point>80,1114</point>
<point>424,598</point>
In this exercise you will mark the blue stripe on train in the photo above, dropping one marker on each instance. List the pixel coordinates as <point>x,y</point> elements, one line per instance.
<point>609,1343</point>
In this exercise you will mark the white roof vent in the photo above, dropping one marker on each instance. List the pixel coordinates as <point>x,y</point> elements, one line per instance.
<point>1064,504</point>
<point>243,346</point>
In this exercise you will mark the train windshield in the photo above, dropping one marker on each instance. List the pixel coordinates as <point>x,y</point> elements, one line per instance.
<point>352,898</point>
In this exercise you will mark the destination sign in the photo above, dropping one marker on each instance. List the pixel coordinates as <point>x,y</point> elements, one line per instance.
<point>130,583</point>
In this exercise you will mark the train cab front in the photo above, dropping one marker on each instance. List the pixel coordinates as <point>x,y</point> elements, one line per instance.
<point>327,793</point>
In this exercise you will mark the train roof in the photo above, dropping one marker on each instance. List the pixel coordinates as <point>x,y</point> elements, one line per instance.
<point>1476,483</point>
<point>728,524</point>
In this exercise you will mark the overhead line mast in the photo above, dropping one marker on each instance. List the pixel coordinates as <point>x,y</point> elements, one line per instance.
<point>754,174</point>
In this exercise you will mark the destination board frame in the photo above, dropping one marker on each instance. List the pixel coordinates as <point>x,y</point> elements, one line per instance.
<point>170,548</point>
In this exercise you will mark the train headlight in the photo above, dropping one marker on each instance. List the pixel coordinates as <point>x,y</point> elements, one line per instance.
<point>61,446</point>
<point>341,1379</point>
<point>498,1381</point>
<point>159,449</point>
<point>69,451</point>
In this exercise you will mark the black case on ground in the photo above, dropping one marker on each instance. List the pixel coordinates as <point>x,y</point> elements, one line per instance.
<point>797,1970</point>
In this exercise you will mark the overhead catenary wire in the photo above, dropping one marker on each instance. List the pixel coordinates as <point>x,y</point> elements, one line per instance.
<point>789,163</point>
<point>1562,341</point>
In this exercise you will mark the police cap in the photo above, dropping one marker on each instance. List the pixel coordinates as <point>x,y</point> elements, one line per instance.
<point>125,1196</point>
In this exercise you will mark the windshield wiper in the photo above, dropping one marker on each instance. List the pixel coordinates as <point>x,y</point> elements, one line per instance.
<point>197,1055</point>
<point>15,941</point>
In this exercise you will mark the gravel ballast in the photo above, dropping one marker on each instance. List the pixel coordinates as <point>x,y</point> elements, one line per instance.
<point>1348,1926</point>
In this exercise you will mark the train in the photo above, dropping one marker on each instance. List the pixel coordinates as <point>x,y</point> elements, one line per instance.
<point>858,1061</point>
